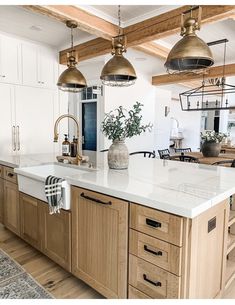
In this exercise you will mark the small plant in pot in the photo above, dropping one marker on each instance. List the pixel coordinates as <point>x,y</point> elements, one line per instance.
<point>211,143</point>
<point>119,125</point>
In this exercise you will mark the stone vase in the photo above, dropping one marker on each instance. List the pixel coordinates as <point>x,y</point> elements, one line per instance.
<point>211,149</point>
<point>118,155</point>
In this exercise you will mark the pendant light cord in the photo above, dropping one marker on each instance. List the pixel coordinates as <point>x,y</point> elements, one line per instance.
<point>119,20</point>
<point>72,38</point>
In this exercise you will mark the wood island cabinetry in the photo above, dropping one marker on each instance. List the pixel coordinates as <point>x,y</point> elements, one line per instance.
<point>100,242</point>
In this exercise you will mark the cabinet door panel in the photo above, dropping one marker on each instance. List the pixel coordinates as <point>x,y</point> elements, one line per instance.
<point>10,60</point>
<point>55,233</point>
<point>99,242</point>
<point>6,120</point>
<point>11,207</point>
<point>35,118</point>
<point>46,68</point>
<point>1,200</point>
<point>29,220</point>
<point>30,65</point>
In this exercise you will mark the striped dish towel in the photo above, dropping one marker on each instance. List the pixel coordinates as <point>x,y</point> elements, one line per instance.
<point>53,191</point>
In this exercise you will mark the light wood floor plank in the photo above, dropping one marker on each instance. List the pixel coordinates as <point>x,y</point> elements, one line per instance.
<point>60,283</point>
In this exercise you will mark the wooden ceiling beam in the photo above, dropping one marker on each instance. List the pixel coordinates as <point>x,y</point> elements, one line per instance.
<point>169,23</point>
<point>217,71</point>
<point>138,35</point>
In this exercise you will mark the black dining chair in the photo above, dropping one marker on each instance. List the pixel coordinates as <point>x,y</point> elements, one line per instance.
<point>225,162</point>
<point>164,154</point>
<point>180,150</point>
<point>104,150</point>
<point>147,154</point>
<point>185,158</point>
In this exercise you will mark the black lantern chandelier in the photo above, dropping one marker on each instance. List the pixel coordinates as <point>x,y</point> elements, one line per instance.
<point>213,94</point>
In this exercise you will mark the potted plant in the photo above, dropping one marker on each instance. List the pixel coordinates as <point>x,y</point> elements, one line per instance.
<point>211,143</point>
<point>119,125</point>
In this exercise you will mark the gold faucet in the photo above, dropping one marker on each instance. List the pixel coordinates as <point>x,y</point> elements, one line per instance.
<point>78,156</point>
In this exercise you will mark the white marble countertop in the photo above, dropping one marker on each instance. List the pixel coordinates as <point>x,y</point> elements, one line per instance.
<point>184,189</point>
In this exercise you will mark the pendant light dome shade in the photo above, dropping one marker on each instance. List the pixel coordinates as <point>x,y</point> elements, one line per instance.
<point>191,53</point>
<point>71,80</point>
<point>118,72</point>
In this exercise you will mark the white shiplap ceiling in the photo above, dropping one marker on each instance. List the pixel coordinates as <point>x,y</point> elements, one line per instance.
<point>130,14</point>
<point>18,21</point>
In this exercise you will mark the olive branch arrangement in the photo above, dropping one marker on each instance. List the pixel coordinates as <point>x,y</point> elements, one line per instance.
<point>120,124</point>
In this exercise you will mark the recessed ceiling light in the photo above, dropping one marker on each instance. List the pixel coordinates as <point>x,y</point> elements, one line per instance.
<point>140,58</point>
<point>36,28</point>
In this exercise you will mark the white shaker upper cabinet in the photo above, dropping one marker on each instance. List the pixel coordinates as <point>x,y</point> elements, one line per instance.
<point>38,64</point>
<point>46,67</point>
<point>29,65</point>
<point>7,126</point>
<point>34,120</point>
<point>10,60</point>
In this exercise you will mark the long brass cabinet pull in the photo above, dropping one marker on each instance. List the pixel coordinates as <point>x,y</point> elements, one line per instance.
<point>14,138</point>
<point>18,136</point>
<point>95,199</point>
<point>153,223</point>
<point>158,284</point>
<point>158,253</point>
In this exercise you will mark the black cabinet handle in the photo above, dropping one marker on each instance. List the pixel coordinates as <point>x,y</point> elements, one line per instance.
<point>153,223</point>
<point>158,253</point>
<point>159,284</point>
<point>10,175</point>
<point>95,200</point>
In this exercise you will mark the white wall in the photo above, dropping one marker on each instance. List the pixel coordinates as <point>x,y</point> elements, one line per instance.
<point>143,92</point>
<point>162,123</point>
<point>189,122</point>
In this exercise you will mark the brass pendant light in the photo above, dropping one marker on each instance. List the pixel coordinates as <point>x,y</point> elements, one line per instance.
<point>118,71</point>
<point>191,53</point>
<point>71,80</point>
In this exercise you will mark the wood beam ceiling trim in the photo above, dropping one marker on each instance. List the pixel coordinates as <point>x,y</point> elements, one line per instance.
<point>217,71</point>
<point>87,50</point>
<point>169,23</point>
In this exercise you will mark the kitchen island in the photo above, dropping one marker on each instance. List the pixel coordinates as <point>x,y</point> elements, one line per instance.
<point>156,230</point>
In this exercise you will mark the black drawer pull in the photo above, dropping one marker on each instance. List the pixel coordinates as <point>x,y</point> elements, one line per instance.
<point>158,253</point>
<point>95,200</point>
<point>159,284</point>
<point>153,223</point>
<point>10,175</point>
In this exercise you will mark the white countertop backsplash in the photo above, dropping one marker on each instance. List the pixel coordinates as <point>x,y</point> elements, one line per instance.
<point>185,189</point>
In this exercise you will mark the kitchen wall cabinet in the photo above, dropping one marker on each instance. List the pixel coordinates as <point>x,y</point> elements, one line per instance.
<point>11,207</point>
<point>8,135</point>
<point>29,220</point>
<point>34,113</point>
<point>55,235</point>
<point>99,242</point>
<point>38,66</point>
<point>10,63</point>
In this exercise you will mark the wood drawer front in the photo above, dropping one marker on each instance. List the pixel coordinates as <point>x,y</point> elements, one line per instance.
<point>158,224</point>
<point>1,171</point>
<point>134,293</point>
<point>152,280</point>
<point>9,175</point>
<point>155,251</point>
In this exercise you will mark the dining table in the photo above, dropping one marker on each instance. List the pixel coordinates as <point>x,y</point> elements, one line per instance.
<point>205,160</point>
